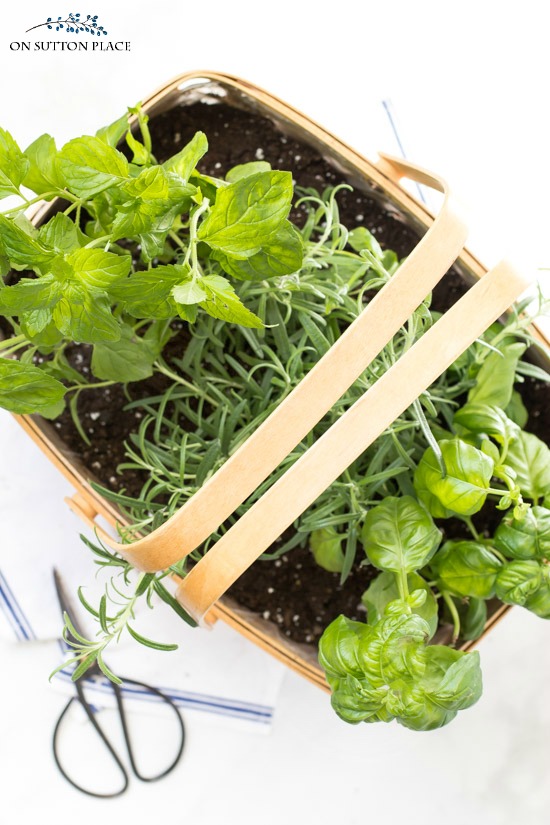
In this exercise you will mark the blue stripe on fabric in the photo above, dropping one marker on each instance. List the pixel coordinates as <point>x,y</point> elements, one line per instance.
<point>13,612</point>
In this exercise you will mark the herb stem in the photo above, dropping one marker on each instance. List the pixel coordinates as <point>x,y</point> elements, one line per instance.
<point>449,601</point>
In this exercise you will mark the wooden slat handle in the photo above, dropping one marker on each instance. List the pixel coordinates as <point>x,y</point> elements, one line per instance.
<point>348,438</point>
<point>300,411</point>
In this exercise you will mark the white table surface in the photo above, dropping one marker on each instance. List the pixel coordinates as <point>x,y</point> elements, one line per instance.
<point>469,85</point>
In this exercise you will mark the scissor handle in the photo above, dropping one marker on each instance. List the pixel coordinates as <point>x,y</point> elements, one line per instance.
<point>81,699</point>
<point>318,391</point>
<point>348,438</point>
<point>126,733</point>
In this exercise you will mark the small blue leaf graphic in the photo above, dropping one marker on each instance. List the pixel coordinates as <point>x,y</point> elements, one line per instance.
<point>49,27</point>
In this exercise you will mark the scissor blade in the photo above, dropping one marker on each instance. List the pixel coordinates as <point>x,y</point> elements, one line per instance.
<point>66,606</point>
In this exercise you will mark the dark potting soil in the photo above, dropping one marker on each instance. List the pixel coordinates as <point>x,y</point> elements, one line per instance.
<point>293,592</point>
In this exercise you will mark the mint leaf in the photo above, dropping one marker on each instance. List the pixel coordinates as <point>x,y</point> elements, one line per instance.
<point>283,254</point>
<point>84,315</point>
<point>130,358</point>
<point>30,294</point>
<point>42,175</point>
<point>89,166</point>
<point>185,161</point>
<point>61,234</point>
<point>97,268</point>
<point>225,304</point>
<point>148,294</point>
<point>150,184</point>
<point>244,170</point>
<point>20,248</point>
<point>190,293</point>
<point>114,132</point>
<point>13,165</point>
<point>247,212</point>
<point>156,199</point>
<point>27,389</point>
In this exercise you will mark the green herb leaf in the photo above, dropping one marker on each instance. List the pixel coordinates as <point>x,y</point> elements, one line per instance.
<point>383,590</point>
<point>13,165</point>
<point>224,303</point>
<point>467,568</point>
<point>483,418</point>
<point>30,294</point>
<point>473,618</point>
<point>184,163</point>
<point>463,489</point>
<point>247,212</point>
<point>495,379</point>
<point>84,315</point>
<point>326,546</point>
<point>88,166</point>
<point>61,234</point>
<point>529,457</point>
<point>21,249</point>
<point>527,537</point>
<point>539,602</point>
<point>149,642</point>
<point>399,535</point>
<point>97,268</point>
<point>42,175</point>
<point>244,170</point>
<point>27,389</point>
<point>148,294</point>
<point>281,255</point>
<point>114,132</point>
<point>131,358</point>
<point>517,581</point>
<point>189,293</point>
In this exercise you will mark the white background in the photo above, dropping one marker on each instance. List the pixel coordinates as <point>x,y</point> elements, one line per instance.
<point>469,84</point>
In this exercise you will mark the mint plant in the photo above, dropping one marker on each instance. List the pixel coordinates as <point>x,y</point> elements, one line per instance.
<point>138,245</point>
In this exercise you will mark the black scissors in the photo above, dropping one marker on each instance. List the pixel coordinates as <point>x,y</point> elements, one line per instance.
<point>94,672</point>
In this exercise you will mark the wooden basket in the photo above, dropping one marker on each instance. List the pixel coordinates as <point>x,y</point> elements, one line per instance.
<point>201,592</point>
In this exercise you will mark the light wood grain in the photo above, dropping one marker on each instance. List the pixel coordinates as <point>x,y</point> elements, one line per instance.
<point>296,416</point>
<point>350,436</point>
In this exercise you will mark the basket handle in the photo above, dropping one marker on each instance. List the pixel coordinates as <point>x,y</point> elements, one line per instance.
<point>334,373</point>
<point>348,438</point>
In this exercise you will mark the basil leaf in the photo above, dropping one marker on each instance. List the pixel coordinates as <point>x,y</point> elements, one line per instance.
<point>88,166</point>
<point>148,294</point>
<point>20,248</point>
<point>339,647</point>
<point>326,546</point>
<point>30,294</point>
<point>114,132</point>
<point>525,538</point>
<point>84,315</point>
<point>61,234</point>
<point>131,358</point>
<point>516,410</point>
<point>244,170</point>
<point>13,165</point>
<point>529,457</point>
<point>517,581</point>
<point>42,175</point>
<point>282,255</point>
<point>223,303</point>
<point>383,589</point>
<point>483,418</point>
<point>399,535</point>
<point>463,489</point>
<point>99,269</point>
<point>27,389</point>
<point>461,685</point>
<point>187,158</point>
<point>467,568</point>
<point>495,379</point>
<point>539,602</point>
<point>247,211</point>
<point>473,618</point>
